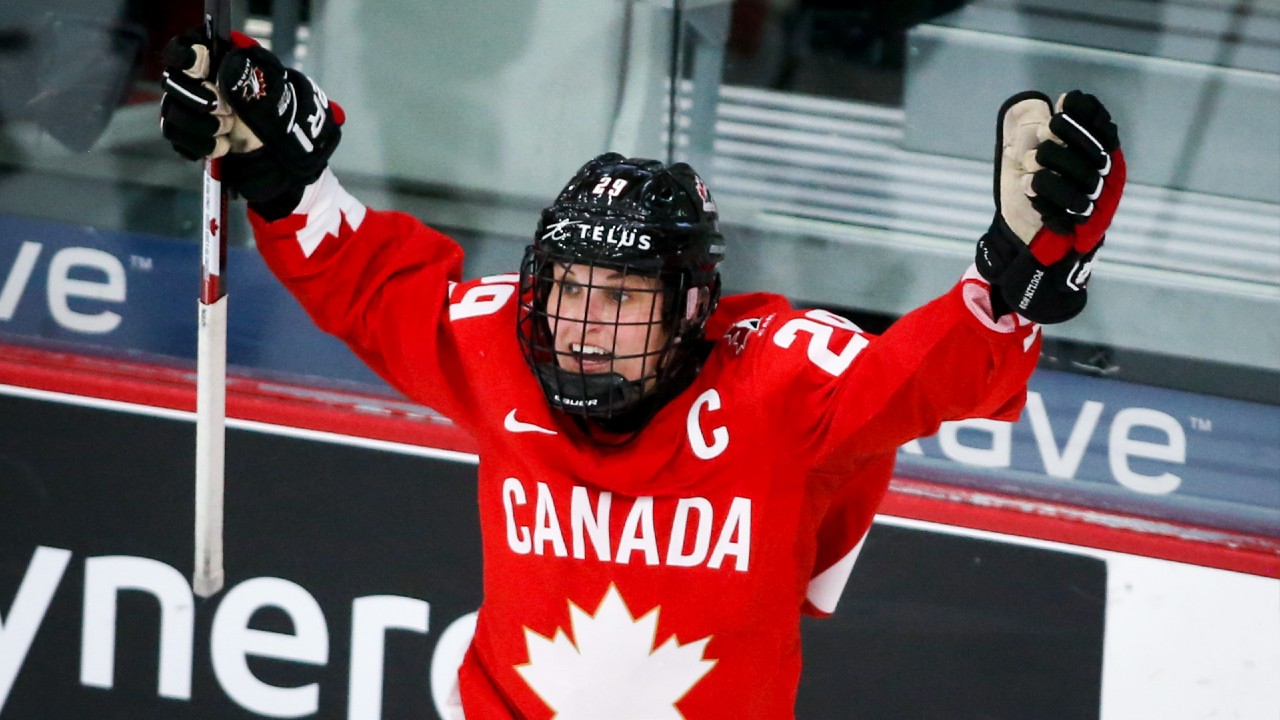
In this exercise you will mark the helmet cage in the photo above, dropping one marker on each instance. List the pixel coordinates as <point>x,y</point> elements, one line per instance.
<point>679,309</point>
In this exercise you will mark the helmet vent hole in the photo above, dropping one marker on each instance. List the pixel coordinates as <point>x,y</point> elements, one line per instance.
<point>663,195</point>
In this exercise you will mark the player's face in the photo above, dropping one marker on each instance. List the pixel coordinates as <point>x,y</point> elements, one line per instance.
<point>606,321</point>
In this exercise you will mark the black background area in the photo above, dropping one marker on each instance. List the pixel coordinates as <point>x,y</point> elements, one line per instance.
<point>341,521</point>
<point>932,626</point>
<point>941,627</point>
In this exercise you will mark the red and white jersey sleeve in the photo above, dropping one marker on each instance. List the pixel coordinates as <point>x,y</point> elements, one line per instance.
<point>853,395</point>
<point>381,282</point>
<point>844,401</point>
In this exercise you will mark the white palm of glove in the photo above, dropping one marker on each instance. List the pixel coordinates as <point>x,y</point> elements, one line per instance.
<point>1026,125</point>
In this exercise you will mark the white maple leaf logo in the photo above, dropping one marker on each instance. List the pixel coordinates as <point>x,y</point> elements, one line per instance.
<point>613,671</point>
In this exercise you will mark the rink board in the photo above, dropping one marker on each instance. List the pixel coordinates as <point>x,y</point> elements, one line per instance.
<point>96,494</point>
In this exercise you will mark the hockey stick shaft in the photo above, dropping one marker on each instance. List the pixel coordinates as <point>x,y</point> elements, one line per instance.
<point>211,353</point>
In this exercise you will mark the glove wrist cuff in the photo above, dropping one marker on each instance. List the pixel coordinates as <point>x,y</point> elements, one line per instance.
<point>997,249</point>
<point>1022,284</point>
<point>262,179</point>
<point>280,206</point>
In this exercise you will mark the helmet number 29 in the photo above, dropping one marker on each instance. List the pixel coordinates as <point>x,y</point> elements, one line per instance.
<point>821,325</point>
<point>612,186</point>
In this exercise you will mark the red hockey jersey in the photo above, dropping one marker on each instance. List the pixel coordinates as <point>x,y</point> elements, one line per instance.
<point>664,578</point>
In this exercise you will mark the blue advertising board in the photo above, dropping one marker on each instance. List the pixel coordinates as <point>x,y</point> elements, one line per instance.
<point>1121,446</point>
<point>138,293</point>
<point>1093,441</point>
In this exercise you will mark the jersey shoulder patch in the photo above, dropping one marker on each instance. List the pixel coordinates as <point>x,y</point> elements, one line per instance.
<point>739,333</point>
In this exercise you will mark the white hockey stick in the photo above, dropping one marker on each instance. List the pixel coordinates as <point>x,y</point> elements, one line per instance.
<point>211,354</point>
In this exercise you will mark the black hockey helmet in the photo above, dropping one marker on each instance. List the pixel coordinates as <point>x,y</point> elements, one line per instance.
<point>636,217</point>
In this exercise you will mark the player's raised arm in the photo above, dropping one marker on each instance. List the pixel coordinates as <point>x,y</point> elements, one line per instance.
<point>377,280</point>
<point>1059,174</point>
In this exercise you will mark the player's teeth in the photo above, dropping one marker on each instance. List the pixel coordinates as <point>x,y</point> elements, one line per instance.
<point>588,349</point>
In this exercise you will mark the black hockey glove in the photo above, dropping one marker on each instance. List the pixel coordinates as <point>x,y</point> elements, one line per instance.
<point>193,117</point>
<point>274,125</point>
<point>1059,174</point>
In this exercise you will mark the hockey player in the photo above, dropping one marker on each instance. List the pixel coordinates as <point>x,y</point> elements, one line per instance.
<point>669,478</point>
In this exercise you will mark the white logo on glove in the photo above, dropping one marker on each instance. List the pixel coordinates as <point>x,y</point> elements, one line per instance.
<point>1079,275</point>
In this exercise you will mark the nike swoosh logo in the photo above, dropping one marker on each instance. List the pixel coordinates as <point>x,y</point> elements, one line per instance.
<point>515,426</point>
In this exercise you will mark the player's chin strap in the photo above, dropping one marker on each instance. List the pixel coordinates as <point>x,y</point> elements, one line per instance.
<point>595,396</point>
<point>613,403</point>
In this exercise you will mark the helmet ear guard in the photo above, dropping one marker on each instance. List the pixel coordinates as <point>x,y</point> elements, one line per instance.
<point>694,300</point>
<point>699,302</point>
